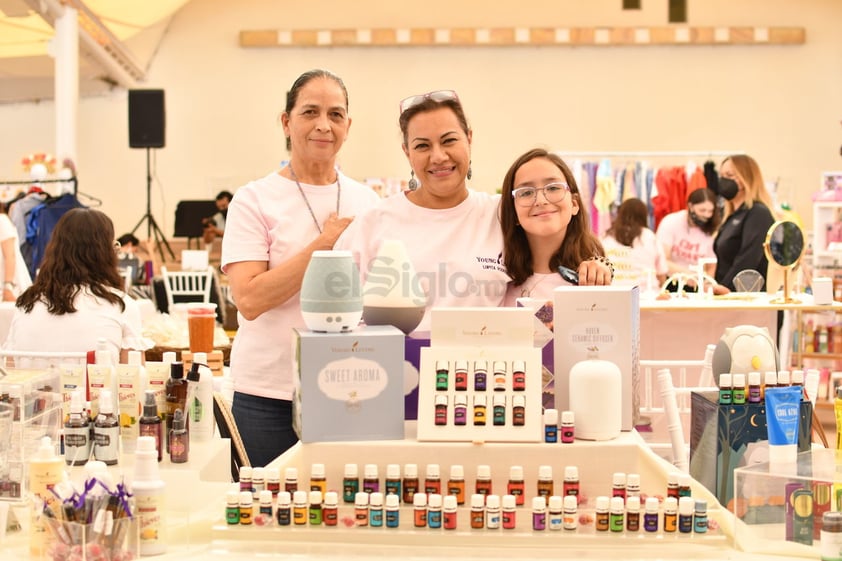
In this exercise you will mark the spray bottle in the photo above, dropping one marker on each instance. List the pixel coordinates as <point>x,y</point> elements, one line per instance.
<point>150,422</point>
<point>77,432</point>
<point>148,489</point>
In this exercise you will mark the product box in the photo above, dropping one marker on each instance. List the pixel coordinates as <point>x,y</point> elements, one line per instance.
<point>480,379</point>
<point>349,386</point>
<point>543,339</point>
<point>30,409</point>
<point>725,437</point>
<point>598,322</point>
<point>412,366</point>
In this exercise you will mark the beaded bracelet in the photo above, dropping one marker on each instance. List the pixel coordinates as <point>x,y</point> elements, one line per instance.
<point>605,261</point>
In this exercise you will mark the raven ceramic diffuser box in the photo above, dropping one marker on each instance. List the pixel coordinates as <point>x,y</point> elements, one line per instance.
<point>598,322</point>
<point>349,386</point>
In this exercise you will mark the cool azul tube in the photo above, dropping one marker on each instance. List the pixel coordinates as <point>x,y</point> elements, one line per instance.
<point>783,410</point>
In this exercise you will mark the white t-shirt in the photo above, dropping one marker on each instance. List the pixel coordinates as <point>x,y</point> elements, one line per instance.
<point>21,276</point>
<point>688,243</point>
<point>268,220</point>
<point>457,252</point>
<point>539,286</point>
<point>634,265</point>
<point>94,319</point>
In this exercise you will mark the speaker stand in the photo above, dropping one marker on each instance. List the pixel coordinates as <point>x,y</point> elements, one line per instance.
<point>152,228</point>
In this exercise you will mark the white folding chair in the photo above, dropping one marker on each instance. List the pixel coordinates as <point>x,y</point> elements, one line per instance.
<point>192,286</point>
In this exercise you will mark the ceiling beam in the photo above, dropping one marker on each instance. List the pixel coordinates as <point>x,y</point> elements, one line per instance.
<point>95,40</point>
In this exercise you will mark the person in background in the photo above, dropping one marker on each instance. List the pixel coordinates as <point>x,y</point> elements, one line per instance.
<point>77,297</point>
<point>637,255</point>
<point>546,226</point>
<point>451,233</point>
<point>214,226</point>
<point>16,277</point>
<point>747,218</point>
<point>687,236</point>
<point>273,226</point>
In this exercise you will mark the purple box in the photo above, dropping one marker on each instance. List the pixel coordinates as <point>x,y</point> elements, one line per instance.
<point>412,366</point>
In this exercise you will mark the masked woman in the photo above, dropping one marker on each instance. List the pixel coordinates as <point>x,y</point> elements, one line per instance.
<point>687,235</point>
<point>748,216</point>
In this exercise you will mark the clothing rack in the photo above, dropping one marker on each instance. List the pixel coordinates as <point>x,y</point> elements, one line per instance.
<point>35,182</point>
<point>652,154</point>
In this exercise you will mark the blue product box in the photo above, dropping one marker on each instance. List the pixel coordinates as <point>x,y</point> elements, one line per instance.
<point>349,386</point>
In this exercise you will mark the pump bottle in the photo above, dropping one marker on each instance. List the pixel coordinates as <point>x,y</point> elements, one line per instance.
<point>148,489</point>
<point>46,470</point>
<point>200,401</point>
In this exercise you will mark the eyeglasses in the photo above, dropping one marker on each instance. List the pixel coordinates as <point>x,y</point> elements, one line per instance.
<point>553,192</point>
<point>437,96</point>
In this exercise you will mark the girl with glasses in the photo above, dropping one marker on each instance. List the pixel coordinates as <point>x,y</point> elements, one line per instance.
<point>545,226</point>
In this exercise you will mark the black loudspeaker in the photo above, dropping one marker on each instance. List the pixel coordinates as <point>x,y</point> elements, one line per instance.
<point>146,118</point>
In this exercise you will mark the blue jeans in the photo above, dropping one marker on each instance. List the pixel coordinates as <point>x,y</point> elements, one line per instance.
<point>265,426</point>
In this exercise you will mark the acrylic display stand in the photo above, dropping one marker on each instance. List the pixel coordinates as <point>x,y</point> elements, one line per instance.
<point>628,453</point>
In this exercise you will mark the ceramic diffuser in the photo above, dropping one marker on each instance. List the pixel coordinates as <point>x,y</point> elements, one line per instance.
<point>330,292</point>
<point>392,294</point>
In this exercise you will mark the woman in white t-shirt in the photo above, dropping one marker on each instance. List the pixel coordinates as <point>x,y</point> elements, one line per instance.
<point>637,255</point>
<point>77,296</point>
<point>15,277</point>
<point>687,235</point>
<point>273,226</point>
<point>452,233</point>
<point>545,226</point>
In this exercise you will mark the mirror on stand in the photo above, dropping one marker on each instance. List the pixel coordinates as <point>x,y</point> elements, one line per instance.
<point>784,247</point>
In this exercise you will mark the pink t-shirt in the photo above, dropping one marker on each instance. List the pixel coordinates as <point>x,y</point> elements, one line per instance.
<point>686,243</point>
<point>639,264</point>
<point>457,252</point>
<point>539,286</point>
<point>268,220</point>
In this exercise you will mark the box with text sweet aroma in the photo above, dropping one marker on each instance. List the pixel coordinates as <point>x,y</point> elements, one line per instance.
<point>598,322</point>
<point>349,386</point>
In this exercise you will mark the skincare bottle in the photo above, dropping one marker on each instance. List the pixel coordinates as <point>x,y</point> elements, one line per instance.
<point>290,480</point>
<point>200,403</point>
<point>571,481</point>
<point>46,470</point>
<point>460,376</point>
<point>509,512</point>
<point>568,431</point>
<point>754,394</point>
<point>314,511</point>
<point>360,509</point>
<point>371,479</point>
<point>106,442</point>
<point>450,511</point>
<point>515,485</point>
<point>555,513</point>
<point>350,483</point>
<point>570,518</point>
<point>539,513</point>
<point>150,422</point>
<point>410,482</point>
<point>419,510</point>
<point>477,511</point>
<point>700,516</point>
<point>632,485</point>
<point>232,507</point>
<point>264,500</point>
<point>483,483</point>
<point>330,511</point>
<point>148,489</point>
<point>551,425</point>
<point>831,536</point>
<point>434,508</point>
<point>318,479</point>
<point>432,482</point>
<point>77,432</point>
<point>618,486</point>
<point>545,481</point>
<point>670,514</point>
<point>601,514</point>
<point>616,514</point>
<point>246,508</point>
<point>456,483</point>
<point>393,510</point>
<point>633,513</point>
<point>650,517</point>
<point>726,390</point>
<point>245,478</point>
<point>686,509</point>
<point>492,512</point>
<point>283,511</point>
<point>739,389</point>
<point>375,510</point>
<point>176,396</point>
<point>179,440</point>
<point>393,480</point>
<point>300,507</point>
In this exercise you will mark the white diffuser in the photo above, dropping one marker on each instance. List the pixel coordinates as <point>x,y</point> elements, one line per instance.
<point>596,399</point>
<point>331,299</point>
<point>392,294</point>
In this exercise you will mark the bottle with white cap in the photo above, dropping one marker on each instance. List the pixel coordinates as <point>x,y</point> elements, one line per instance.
<point>148,489</point>
<point>106,443</point>
<point>200,398</point>
<point>77,432</point>
<point>46,470</point>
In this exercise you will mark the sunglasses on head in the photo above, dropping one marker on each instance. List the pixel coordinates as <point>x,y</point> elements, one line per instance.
<point>438,96</point>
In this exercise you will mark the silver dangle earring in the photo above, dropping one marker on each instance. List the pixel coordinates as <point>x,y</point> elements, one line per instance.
<point>470,171</point>
<point>413,183</point>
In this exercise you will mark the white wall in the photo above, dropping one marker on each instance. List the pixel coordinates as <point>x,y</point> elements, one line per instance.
<point>780,104</point>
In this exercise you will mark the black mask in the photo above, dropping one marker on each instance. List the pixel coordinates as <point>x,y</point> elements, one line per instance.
<point>698,220</point>
<point>728,188</point>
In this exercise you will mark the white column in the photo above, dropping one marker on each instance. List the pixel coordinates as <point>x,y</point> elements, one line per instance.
<point>66,50</point>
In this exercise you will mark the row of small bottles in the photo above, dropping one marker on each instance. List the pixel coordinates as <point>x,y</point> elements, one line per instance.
<point>499,378</point>
<point>615,514</point>
<point>255,480</point>
<point>738,389</point>
<point>819,338</point>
